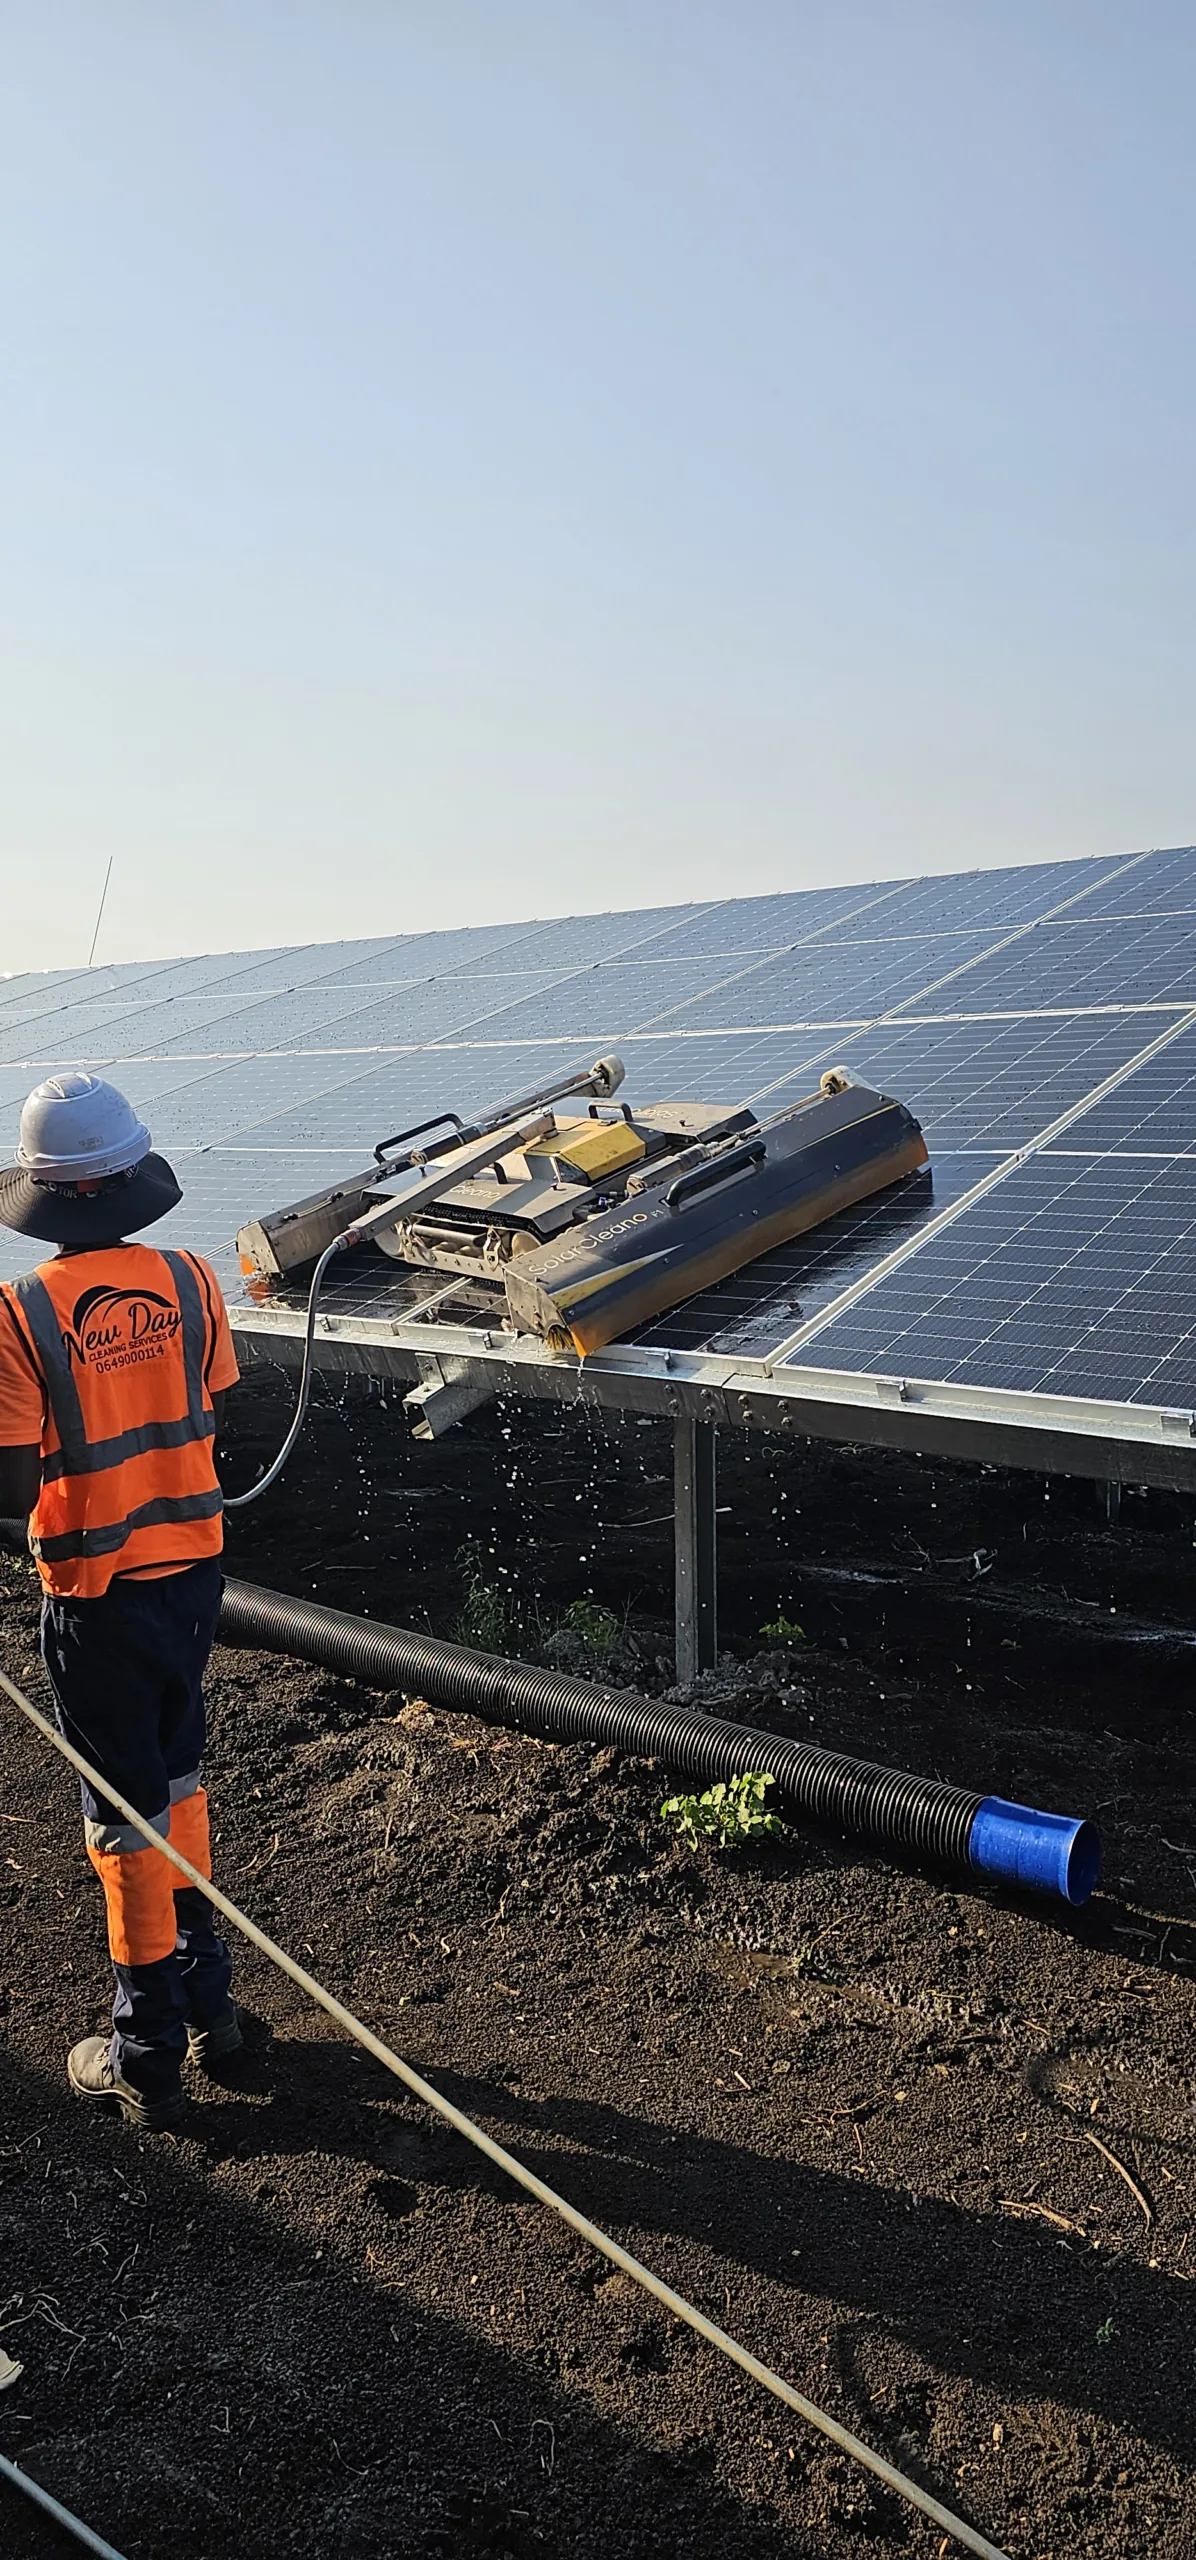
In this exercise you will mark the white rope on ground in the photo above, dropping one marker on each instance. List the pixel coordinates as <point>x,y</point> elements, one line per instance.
<point>675,2303</point>
<point>62,2515</point>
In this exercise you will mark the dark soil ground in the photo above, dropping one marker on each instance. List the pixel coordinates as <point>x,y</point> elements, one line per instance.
<point>852,2112</point>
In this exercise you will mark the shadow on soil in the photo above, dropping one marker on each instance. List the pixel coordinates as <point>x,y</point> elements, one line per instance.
<point>172,2410</point>
<point>977,2297</point>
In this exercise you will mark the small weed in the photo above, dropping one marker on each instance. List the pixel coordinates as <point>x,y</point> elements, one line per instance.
<point>1106,2332</point>
<point>729,1815</point>
<point>786,1630</point>
<point>598,1628</point>
<point>482,1618</point>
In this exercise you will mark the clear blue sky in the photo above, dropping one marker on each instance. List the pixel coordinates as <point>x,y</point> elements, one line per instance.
<point>476,458</point>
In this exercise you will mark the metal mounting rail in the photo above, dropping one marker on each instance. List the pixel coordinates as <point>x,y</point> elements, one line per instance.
<point>1065,1435</point>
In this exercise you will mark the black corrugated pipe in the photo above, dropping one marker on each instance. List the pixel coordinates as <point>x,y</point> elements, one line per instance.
<point>952,1827</point>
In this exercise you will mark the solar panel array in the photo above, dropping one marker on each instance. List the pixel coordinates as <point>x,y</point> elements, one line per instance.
<point>1041,1022</point>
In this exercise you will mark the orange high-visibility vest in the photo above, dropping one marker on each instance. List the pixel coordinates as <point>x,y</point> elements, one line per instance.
<point>120,1340</point>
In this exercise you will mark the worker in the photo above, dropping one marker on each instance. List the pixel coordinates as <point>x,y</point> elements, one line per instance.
<point>114,1362</point>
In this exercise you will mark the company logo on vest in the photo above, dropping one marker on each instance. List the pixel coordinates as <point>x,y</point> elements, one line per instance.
<point>119,1328</point>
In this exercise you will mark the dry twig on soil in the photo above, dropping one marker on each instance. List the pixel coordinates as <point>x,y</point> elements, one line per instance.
<point>1122,2172</point>
<point>1015,2204</point>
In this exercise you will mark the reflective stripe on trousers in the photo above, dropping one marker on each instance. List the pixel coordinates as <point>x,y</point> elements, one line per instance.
<point>140,1885</point>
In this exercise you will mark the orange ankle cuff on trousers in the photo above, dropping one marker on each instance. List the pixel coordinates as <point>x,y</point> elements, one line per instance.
<point>140,1885</point>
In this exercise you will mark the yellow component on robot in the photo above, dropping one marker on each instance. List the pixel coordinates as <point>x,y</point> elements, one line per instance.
<point>593,1147</point>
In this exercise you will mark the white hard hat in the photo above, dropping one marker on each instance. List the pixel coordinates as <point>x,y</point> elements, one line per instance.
<point>77,1128</point>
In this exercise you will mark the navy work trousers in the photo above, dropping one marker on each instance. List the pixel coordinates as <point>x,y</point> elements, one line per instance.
<point>127,1675</point>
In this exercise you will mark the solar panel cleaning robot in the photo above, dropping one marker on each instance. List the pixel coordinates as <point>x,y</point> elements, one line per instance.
<point>586,1225</point>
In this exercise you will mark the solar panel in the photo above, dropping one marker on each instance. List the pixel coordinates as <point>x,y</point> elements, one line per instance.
<point>746,1314</point>
<point>1070,1277</point>
<point>1151,884</point>
<point>975,1083</point>
<point>128,988</point>
<point>577,942</point>
<point>755,925</point>
<point>1041,1022</point>
<point>1116,960</point>
<point>1152,1112</point>
<point>419,1009</point>
<point>24,988</point>
<point>832,981</point>
<point>986,901</point>
<point>361,1108</point>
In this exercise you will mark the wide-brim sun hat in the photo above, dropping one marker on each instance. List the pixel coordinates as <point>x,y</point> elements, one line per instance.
<point>85,1171</point>
<point>59,1213</point>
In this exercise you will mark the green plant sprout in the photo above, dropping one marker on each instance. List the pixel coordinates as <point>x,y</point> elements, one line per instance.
<point>786,1629</point>
<point>729,1814</point>
<point>482,1618</point>
<point>598,1628</point>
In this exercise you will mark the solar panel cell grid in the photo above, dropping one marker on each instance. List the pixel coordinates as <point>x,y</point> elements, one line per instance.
<point>1124,960</point>
<point>364,1109</point>
<point>84,1011</point>
<point>753,925</point>
<point>20,993</point>
<point>231,1109</point>
<point>205,975</point>
<point>239,974</point>
<point>987,900</point>
<point>250,972</point>
<point>1153,1111</point>
<point>414,955</point>
<point>38,1020</point>
<point>1067,1278</point>
<point>1158,883</point>
<point>755,1308</point>
<point>188,1026</point>
<point>601,1004</point>
<point>432,1010</point>
<point>736,1067</point>
<point>318,1018</point>
<point>981,1084</point>
<point>579,941</point>
<point>832,981</point>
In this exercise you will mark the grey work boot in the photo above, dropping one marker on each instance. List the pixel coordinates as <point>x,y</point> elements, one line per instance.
<point>214,2043</point>
<point>91,2075</point>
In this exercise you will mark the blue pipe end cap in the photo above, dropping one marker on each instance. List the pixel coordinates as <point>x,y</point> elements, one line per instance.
<point>1041,1852</point>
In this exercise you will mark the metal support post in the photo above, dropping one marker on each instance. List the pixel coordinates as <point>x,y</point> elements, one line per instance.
<point>1112,1502</point>
<point>695,1563</point>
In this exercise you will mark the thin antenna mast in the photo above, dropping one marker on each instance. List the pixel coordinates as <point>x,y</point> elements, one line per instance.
<point>100,914</point>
